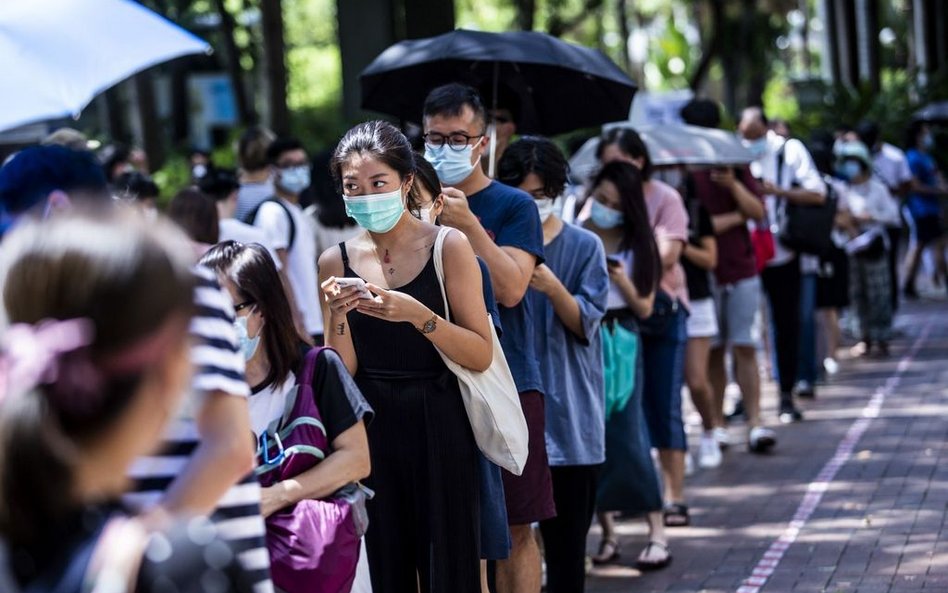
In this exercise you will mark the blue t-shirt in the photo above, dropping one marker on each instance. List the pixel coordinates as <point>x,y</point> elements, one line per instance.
<point>572,366</point>
<point>512,220</point>
<point>924,169</point>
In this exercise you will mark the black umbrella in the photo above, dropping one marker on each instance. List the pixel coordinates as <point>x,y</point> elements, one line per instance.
<point>933,112</point>
<point>560,86</point>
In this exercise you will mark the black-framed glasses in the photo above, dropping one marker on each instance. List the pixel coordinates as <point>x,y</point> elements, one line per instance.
<point>457,141</point>
<point>241,306</point>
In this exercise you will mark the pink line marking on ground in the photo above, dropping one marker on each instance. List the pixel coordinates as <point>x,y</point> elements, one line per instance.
<point>769,562</point>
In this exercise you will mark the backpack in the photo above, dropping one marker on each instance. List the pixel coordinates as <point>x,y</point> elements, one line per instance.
<point>251,217</point>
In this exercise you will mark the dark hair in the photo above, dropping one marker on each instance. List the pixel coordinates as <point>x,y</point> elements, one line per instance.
<point>252,148</point>
<point>629,142</point>
<point>196,213</point>
<point>135,185</point>
<point>534,154</point>
<point>112,155</point>
<point>219,184</point>
<point>378,139</point>
<point>637,234</point>
<point>868,132</point>
<point>451,99</point>
<point>253,272</point>
<point>130,279</point>
<point>821,149</point>
<point>28,178</point>
<point>280,146</point>
<point>912,131</point>
<point>425,179</point>
<point>702,112</point>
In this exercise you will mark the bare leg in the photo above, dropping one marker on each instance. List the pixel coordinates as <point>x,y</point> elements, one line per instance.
<point>484,587</point>
<point>717,377</point>
<point>748,378</point>
<point>696,377</point>
<point>913,258</point>
<point>673,473</point>
<point>521,573</point>
<point>831,331</point>
<point>656,528</point>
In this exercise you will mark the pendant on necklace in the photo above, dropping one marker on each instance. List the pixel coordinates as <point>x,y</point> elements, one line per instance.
<point>387,259</point>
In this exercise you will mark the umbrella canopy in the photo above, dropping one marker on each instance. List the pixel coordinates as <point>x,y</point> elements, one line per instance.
<point>673,144</point>
<point>59,54</point>
<point>560,86</point>
<point>934,112</point>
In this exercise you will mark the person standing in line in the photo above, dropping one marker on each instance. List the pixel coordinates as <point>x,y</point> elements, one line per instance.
<point>924,207</point>
<point>890,165</point>
<point>870,208</point>
<point>732,198</point>
<point>288,230</point>
<point>788,176</point>
<point>568,296</point>
<point>699,258</point>
<point>388,322</point>
<point>664,335</point>
<point>504,229</point>
<point>256,180</point>
<point>222,186</point>
<point>428,199</point>
<point>95,363</point>
<point>628,482</point>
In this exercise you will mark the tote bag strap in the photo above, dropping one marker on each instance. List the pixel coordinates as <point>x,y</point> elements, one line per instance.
<point>439,265</point>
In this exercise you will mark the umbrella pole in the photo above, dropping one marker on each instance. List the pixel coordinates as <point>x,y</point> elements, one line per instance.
<point>493,128</point>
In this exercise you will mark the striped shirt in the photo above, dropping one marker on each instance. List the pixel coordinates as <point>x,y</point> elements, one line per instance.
<point>218,366</point>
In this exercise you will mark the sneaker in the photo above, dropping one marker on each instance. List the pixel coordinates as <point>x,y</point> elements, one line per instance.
<point>709,453</point>
<point>805,390</point>
<point>830,366</point>
<point>723,437</point>
<point>789,413</point>
<point>761,439</point>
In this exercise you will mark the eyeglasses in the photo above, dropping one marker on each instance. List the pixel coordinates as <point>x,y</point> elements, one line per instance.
<point>457,141</point>
<point>241,306</point>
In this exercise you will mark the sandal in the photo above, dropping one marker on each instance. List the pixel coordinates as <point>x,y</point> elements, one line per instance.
<point>676,515</point>
<point>644,564</point>
<point>607,545</point>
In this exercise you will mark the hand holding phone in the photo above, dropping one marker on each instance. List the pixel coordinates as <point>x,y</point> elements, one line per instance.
<point>359,283</point>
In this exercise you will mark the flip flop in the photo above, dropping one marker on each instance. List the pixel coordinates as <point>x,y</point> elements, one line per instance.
<point>676,515</point>
<point>645,565</point>
<point>603,558</point>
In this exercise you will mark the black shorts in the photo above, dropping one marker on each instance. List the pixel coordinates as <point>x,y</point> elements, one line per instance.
<point>927,229</point>
<point>832,283</point>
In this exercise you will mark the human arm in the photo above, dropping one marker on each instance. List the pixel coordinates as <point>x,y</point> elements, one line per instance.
<point>565,306</point>
<point>640,304</point>
<point>808,187</point>
<point>467,339</point>
<point>749,206</point>
<point>336,304</point>
<point>580,311</point>
<point>705,255</point>
<point>510,268</point>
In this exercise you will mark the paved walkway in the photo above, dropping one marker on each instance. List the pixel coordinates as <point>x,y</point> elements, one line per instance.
<point>853,499</point>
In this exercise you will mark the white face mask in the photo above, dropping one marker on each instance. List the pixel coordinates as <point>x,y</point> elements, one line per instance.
<point>294,179</point>
<point>546,207</point>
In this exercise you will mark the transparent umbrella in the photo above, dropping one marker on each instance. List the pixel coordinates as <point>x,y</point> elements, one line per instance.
<point>59,54</point>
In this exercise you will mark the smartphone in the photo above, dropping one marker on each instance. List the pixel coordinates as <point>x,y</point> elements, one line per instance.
<point>612,261</point>
<point>357,282</point>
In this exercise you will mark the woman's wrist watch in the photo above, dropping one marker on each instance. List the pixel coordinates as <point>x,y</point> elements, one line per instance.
<point>430,325</point>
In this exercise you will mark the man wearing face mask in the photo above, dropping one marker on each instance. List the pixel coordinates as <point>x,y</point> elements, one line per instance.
<point>923,205</point>
<point>788,176</point>
<point>281,218</point>
<point>504,228</point>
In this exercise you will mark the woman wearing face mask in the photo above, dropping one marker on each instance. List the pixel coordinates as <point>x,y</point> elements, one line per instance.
<point>870,208</point>
<point>279,362</point>
<point>568,302</point>
<point>628,482</point>
<point>95,361</point>
<point>924,206</point>
<point>664,334</point>
<point>424,533</point>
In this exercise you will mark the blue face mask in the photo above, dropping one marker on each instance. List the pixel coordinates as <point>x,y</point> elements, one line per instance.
<point>928,141</point>
<point>294,179</point>
<point>376,213</point>
<point>452,166</point>
<point>605,217</point>
<point>248,345</point>
<point>850,170</point>
<point>757,147</point>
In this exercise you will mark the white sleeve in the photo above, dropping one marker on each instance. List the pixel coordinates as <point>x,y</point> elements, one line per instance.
<point>800,163</point>
<point>275,222</point>
<point>904,173</point>
<point>884,208</point>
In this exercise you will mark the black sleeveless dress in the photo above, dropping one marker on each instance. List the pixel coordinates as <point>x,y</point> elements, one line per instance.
<point>425,514</point>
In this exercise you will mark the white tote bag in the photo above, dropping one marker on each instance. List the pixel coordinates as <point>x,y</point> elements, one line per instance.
<point>490,397</point>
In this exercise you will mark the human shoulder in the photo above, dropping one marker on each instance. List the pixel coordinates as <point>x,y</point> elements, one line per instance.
<point>892,153</point>
<point>504,196</point>
<point>584,239</point>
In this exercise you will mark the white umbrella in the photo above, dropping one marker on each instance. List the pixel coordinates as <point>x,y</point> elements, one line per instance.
<point>59,54</point>
<point>672,144</point>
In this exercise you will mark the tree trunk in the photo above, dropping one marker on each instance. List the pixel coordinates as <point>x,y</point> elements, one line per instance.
<point>274,48</point>
<point>713,48</point>
<point>427,18</point>
<point>152,136</point>
<point>115,108</point>
<point>622,15</point>
<point>245,110</point>
<point>526,12</point>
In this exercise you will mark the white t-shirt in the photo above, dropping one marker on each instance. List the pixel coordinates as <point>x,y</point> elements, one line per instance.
<point>301,257</point>
<point>234,230</point>
<point>891,167</point>
<point>798,168</point>
<point>268,404</point>
<point>872,198</point>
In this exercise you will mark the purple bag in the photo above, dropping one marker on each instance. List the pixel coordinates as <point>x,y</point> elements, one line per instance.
<point>314,544</point>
